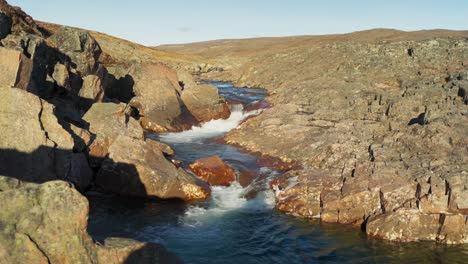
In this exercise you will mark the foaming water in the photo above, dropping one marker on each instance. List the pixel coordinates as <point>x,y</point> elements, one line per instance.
<point>210,129</point>
<point>239,224</point>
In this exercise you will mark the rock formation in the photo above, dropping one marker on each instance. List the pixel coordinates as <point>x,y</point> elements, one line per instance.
<point>214,171</point>
<point>46,223</point>
<point>377,120</point>
<point>139,168</point>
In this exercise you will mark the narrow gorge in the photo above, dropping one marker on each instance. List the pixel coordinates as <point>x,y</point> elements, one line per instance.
<point>348,148</point>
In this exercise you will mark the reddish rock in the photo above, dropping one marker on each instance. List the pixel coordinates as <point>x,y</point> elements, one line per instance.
<point>246,177</point>
<point>213,170</point>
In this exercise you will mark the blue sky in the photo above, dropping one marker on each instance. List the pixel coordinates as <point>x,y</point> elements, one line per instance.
<point>176,21</point>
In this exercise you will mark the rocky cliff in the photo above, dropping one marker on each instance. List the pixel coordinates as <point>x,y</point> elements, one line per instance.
<point>377,120</point>
<point>73,112</point>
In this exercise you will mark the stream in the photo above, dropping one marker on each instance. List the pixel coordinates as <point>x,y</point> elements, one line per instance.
<point>239,224</point>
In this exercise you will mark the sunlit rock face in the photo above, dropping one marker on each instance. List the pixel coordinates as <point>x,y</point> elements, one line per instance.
<point>214,171</point>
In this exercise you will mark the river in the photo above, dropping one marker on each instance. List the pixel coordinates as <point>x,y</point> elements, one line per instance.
<point>239,224</point>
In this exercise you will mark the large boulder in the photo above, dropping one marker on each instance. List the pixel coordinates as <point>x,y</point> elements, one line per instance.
<point>34,147</point>
<point>47,224</point>
<point>214,171</point>
<point>157,99</point>
<point>138,168</point>
<point>91,92</point>
<point>82,49</point>
<point>16,69</point>
<point>107,121</point>
<point>204,103</point>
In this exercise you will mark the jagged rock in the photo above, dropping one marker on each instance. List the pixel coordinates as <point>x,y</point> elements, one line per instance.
<point>214,171</point>
<point>92,91</point>
<point>16,69</point>
<point>47,224</point>
<point>36,58</point>
<point>157,99</point>
<point>34,147</point>
<point>20,22</point>
<point>5,25</point>
<point>204,103</point>
<point>138,168</point>
<point>80,47</point>
<point>62,76</point>
<point>107,121</point>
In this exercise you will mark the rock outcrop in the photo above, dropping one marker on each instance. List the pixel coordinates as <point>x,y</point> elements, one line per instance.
<point>34,147</point>
<point>138,168</point>
<point>107,121</point>
<point>47,224</point>
<point>204,103</point>
<point>214,171</point>
<point>157,98</point>
<point>377,120</point>
<point>81,48</point>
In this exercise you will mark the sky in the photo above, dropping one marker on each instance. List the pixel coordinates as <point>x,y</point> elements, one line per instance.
<point>175,21</point>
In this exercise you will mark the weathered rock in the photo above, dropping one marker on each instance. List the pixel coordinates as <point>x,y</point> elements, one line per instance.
<point>157,99</point>
<point>138,168</point>
<point>34,147</point>
<point>47,224</point>
<point>214,171</point>
<point>16,69</point>
<point>5,25</point>
<point>91,92</point>
<point>107,121</point>
<point>80,47</point>
<point>119,250</point>
<point>19,22</point>
<point>407,225</point>
<point>62,76</point>
<point>204,103</point>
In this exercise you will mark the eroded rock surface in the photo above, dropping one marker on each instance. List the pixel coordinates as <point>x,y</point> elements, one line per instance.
<point>46,223</point>
<point>377,119</point>
<point>204,103</point>
<point>34,147</point>
<point>214,171</point>
<point>138,168</point>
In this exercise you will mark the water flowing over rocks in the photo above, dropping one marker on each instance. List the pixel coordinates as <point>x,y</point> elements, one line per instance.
<point>65,116</point>
<point>377,119</point>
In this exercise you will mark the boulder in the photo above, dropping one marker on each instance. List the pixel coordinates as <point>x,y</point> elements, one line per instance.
<point>16,69</point>
<point>82,49</point>
<point>214,171</point>
<point>107,121</point>
<point>91,91</point>
<point>128,251</point>
<point>138,168</point>
<point>47,223</point>
<point>61,76</point>
<point>34,147</point>
<point>204,103</point>
<point>5,25</point>
<point>157,99</point>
